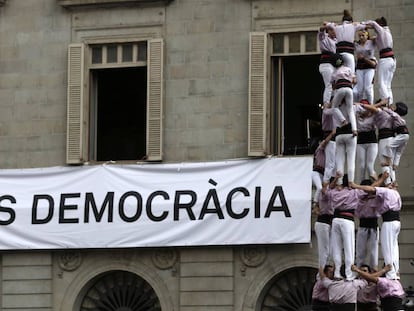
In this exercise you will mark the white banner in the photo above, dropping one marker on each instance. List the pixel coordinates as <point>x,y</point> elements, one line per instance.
<point>235,202</point>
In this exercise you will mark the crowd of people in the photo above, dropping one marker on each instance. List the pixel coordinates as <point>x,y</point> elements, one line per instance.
<point>358,133</point>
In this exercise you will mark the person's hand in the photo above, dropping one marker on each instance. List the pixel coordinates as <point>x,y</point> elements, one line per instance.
<point>354,268</point>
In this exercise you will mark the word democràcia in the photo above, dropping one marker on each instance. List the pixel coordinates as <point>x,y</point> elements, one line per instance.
<point>158,206</point>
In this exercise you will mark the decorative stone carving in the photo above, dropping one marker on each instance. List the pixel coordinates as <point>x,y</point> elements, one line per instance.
<point>164,259</point>
<point>70,261</point>
<point>253,256</point>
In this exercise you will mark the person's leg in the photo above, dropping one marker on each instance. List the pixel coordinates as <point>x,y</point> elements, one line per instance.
<point>330,150</point>
<point>317,183</point>
<point>323,233</point>
<point>372,247</point>
<point>360,160</point>
<point>348,237</point>
<point>336,244</point>
<point>369,84</point>
<point>361,246</point>
<point>349,61</point>
<point>351,143</point>
<point>340,156</point>
<point>388,247</point>
<point>371,156</point>
<point>326,71</point>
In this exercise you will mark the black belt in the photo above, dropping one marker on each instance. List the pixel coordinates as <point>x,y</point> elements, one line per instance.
<point>346,214</point>
<point>391,303</point>
<point>346,129</point>
<point>387,52</point>
<point>342,83</point>
<point>326,134</point>
<point>401,130</point>
<point>319,305</point>
<point>325,218</point>
<point>343,306</point>
<point>326,57</point>
<point>385,133</point>
<point>367,137</point>
<point>367,306</point>
<point>371,222</point>
<point>362,64</point>
<point>391,216</point>
<point>345,47</point>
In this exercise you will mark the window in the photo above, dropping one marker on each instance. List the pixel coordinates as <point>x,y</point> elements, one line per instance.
<point>115,101</point>
<point>285,90</point>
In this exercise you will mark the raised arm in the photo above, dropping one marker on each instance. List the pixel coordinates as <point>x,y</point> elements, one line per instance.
<point>371,277</point>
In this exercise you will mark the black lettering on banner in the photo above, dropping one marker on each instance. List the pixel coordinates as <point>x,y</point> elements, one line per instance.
<point>51,203</point>
<point>138,212</point>
<point>67,207</point>
<point>186,206</point>
<point>230,211</point>
<point>257,202</point>
<point>150,214</point>
<point>278,191</point>
<point>212,193</point>
<point>108,202</point>
<point>7,210</point>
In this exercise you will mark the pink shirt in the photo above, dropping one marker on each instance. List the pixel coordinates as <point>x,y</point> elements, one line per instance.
<point>367,50</point>
<point>383,119</point>
<point>342,72</point>
<point>368,293</point>
<point>345,199</point>
<point>364,123</point>
<point>346,31</point>
<point>391,199</point>
<point>368,207</point>
<point>325,204</point>
<point>384,36</point>
<point>343,291</point>
<point>319,158</point>
<point>331,118</point>
<point>389,288</point>
<point>326,43</point>
<point>320,292</point>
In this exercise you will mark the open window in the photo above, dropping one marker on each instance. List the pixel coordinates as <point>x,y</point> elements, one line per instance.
<point>285,92</point>
<point>118,114</point>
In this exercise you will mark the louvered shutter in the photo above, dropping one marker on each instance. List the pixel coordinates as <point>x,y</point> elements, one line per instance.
<point>257,94</point>
<point>155,100</point>
<point>74,134</point>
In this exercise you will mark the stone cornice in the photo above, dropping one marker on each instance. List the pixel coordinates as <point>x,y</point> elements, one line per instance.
<point>112,3</point>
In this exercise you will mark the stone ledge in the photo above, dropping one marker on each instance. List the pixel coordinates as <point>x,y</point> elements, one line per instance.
<point>113,3</point>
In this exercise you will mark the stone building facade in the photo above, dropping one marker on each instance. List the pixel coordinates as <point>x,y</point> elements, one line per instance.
<point>221,78</point>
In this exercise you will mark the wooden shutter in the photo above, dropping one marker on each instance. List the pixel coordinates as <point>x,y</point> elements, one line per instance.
<point>155,100</point>
<point>75,104</point>
<point>257,94</point>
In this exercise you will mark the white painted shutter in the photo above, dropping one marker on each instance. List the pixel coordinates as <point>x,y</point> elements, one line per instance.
<point>257,94</point>
<point>155,100</point>
<point>74,134</point>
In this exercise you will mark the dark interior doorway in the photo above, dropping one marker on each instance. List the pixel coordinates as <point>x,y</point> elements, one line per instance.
<point>121,112</point>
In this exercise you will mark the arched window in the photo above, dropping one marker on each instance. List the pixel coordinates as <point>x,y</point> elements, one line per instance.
<point>290,290</point>
<point>120,291</point>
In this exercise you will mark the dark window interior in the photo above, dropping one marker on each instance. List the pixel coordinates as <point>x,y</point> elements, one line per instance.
<point>302,94</point>
<point>121,113</point>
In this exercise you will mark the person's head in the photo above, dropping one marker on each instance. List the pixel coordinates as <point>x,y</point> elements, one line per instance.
<point>381,21</point>
<point>400,108</point>
<point>366,268</point>
<point>363,36</point>
<point>337,60</point>
<point>347,16</point>
<point>329,271</point>
<point>331,32</point>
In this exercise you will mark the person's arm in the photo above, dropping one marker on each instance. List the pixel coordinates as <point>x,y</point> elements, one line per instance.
<point>328,138</point>
<point>366,188</point>
<point>372,108</point>
<point>371,277</point>
<point>333,182</point>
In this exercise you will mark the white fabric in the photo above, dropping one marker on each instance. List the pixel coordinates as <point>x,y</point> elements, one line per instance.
<point>326,70</point>
<point>364,88</point>
<point>330,162</point>
<point>323,238</point>
<point>389,246</point>
<point>367,247</point>
<point>147,205</point>
<point>346,149</point>
<point>366,155</point>
<point>343,238</point>
<point>385,74</point>
<point>317,183</point>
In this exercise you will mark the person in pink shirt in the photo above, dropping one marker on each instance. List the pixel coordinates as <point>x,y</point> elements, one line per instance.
<point>390,291</point>
<point>342,80</point>
<point>344,202</point>
<point>389,209</point>
<point>387,63</point>
<point>327,45</point>
<point>320,295</point>
<point>342,293</point>
<point>367,235</point>
<point>367,297</point>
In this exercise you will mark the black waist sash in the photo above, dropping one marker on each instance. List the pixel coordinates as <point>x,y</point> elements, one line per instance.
<point>391,303</point>
<point>391,216</point>
<point>345,47</point>
<point>325,218</point>
<point>385,133</point>
<point>371,222</point>
<point>326,134</point>
<point>319,305</point>
<point>387,52</point>
<point>367,137</point>
<point>346,129</point>
<point>401,130</point>
<point>343,306</point>
<point>326,57</point>
<point>362,64</point>
<point>346,214</point>
<point>342,83</point>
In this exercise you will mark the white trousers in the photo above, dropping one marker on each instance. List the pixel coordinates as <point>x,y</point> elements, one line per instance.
<point>330,168</point>
<point>323,238</point>
<point>385,156</point>
<point>349,60</point>
<point>345,94</point>
<point>389,246</point>
<point>366,155</point>
<point>397,145</point>
<point>343,237</point>
<point>364,88</point>
<point>317,183</point>
<point>386,69</point>
<point>326,70</point>
<point>367,247</point>
<point>346,148</point>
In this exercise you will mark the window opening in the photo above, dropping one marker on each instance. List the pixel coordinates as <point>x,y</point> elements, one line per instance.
<point>118,114</point>
<point>297,92</point>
